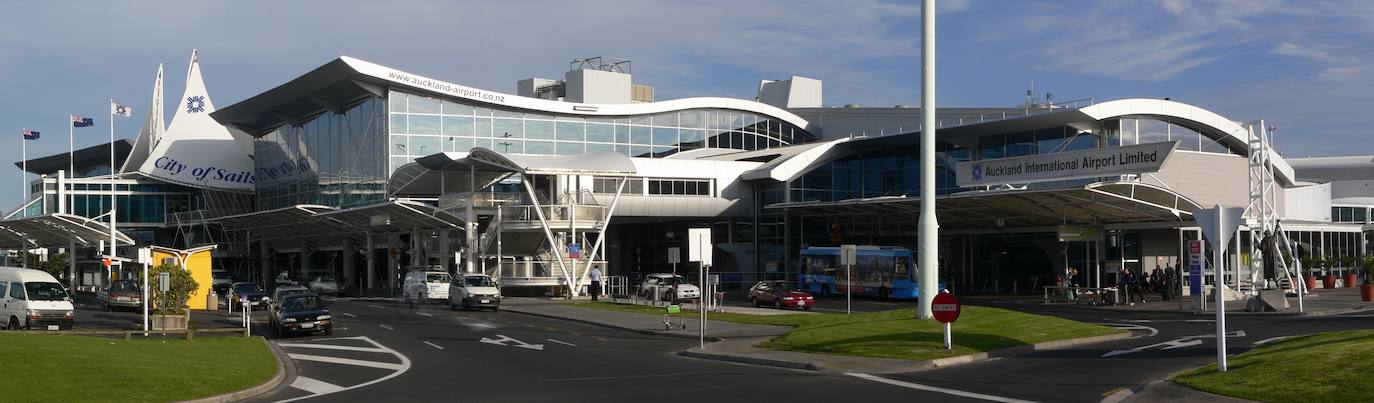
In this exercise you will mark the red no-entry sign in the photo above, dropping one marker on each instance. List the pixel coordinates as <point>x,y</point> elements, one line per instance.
<point>945,307</point>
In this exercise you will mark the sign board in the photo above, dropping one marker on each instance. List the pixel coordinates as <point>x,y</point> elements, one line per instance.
<point>713,279</point>
<point>1079,233</point>
<point>1195,267</point>
<point>1093,163</point>
<point>945,307</point>
<point>1218,235</point>
<point>849,255</point>
<point>380,220</point>
<point>164,281</point>
<point>574,251</point>
<point>145,255</point>
<point>674,255</point>
<point>699,247</point>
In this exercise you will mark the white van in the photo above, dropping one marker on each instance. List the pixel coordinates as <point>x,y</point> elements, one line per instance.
<point>474,290</point>
<point>33,299</point>
<point>425,285</point>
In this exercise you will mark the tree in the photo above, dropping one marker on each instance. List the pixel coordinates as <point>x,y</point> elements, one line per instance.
<point>56,264</point>
<point>182,287</point>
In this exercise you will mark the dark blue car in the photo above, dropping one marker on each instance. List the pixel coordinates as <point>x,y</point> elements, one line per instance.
<point>246,291</point>
<point>301,314</point>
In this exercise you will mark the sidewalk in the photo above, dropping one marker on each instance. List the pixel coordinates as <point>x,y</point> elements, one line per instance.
<point>737,342</point>
<point>1168,391</point>
<point>1321,301</point>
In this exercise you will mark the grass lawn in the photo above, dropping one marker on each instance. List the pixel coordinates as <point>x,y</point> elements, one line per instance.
<point>1327,367</point>
<point>68,368</point>
<point>896,334</point>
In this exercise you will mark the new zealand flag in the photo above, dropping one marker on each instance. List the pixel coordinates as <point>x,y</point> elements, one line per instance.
<point>78,121</point>
<point>30,134</point>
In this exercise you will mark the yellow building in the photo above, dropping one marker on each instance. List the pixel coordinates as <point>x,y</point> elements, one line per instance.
<point>195,260</point>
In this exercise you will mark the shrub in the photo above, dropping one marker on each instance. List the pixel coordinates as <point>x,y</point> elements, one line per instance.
<point>182,287</point>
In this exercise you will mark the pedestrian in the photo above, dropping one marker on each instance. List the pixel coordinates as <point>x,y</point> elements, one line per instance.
<point>1135,287</point>
<point>595,288</point>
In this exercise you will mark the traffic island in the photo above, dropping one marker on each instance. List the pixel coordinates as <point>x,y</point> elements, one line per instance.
<point>71,368</point>
<point>883,342</point>
<point>1327,367</point>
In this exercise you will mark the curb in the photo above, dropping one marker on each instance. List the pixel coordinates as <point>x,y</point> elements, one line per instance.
<point>748,360</point>
<point>286,369</point>
<point>608,326</point>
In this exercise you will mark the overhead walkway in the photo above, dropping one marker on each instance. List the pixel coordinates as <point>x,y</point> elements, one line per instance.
<point>538,238</point>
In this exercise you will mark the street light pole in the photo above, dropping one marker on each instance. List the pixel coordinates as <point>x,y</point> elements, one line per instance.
<point>927,227</point>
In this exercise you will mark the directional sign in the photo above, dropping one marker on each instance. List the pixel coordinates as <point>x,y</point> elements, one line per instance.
<point>1218,236</point>
<point>501,340</point>
<point>945,307</point>
<point>848,255</point>
<point>1173,344</point>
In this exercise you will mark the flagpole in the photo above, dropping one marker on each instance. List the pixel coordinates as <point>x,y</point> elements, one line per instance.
<point>112,186</point>
<point>71,162</point>
<point>23,171</point>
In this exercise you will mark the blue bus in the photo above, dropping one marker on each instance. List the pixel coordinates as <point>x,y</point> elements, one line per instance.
<point>880,271</point>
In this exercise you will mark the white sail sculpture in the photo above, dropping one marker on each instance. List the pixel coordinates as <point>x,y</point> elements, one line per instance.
<point>196,150</point>
<point>150,133</point>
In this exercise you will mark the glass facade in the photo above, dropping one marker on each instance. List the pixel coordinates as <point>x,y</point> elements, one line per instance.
<point>332,159</point>
<point>1349,214</point>
<point>421,125</point>
<point>1144,131</point>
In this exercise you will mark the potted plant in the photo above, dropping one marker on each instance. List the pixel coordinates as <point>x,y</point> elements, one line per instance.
<point>1309,263</point>
<point>1367,290</point>
<point>169,310</point>
<point>1329,280</point>
<point>1352,271</point>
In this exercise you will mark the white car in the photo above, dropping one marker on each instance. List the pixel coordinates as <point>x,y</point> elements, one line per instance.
<point>422,286</point>
<point>323,284</point>
<point>474,291</point>
<point>665,283</point>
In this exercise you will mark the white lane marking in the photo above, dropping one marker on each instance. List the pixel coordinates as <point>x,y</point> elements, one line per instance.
<point>315,386</point>
<point>503,339</point>
<point>376,306</point>
<point>434,345</point>
<point>1271,339</point>
<point>1188,341</point>
<point>384,326</point>
<point>346,361</point>
<point>348,314</point>
<point>333,347</point>
<point>422,313</point>
<point>479,325</point>
<point>918,386</point>
<point>1127,326</point>
<point>404,366</point>
<point>562,342</point>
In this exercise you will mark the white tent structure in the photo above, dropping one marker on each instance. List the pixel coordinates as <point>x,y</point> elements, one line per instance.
<point>196,150</point>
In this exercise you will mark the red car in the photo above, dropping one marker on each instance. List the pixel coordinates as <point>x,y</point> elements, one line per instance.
<point>780,295</point>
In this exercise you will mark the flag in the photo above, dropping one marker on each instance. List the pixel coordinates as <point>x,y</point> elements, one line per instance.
<point>30,134</point>
<point>78,121</point>
<point>121,110</point>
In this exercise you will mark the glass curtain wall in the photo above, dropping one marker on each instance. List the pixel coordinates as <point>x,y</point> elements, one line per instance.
<point>422,125</point>
<point>1144,131</point>
<point>332,159</point>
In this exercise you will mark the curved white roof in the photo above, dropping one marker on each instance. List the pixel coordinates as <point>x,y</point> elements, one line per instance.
<point>1178,111</point>
<point>570,108</point>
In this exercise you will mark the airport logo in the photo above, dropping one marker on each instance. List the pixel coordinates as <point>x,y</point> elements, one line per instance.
<point>977,172</point>
<point>195,104</point>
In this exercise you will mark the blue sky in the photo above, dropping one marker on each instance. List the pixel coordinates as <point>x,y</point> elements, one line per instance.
<point>1305,66</point>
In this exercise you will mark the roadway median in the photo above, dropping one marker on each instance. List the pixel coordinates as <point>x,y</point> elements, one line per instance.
<point>1326,367</point>
<point>73,368</point>
<point>877,342</point>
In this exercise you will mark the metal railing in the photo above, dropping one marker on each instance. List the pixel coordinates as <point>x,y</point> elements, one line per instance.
<point>589,213</point>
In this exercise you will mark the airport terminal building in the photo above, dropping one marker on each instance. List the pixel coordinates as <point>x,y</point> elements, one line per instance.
<point>362,171</point>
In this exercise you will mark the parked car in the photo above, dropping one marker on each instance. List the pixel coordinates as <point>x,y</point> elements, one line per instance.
<point>246,290</point>
<point>779,294</point>
<point>301,313</point>
<point>33,299</point>
<point>121,294</point>
<point>220,281</point>
<point>670,287</point>
<point>323,284</point>
<point>283,292</point>
<point>424,285</point>
<point>474,291</point>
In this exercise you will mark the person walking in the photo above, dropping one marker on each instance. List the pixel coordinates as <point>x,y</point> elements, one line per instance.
<point>595,288</point>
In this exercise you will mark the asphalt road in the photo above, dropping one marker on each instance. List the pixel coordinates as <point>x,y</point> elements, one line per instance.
<point>433,354</point>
